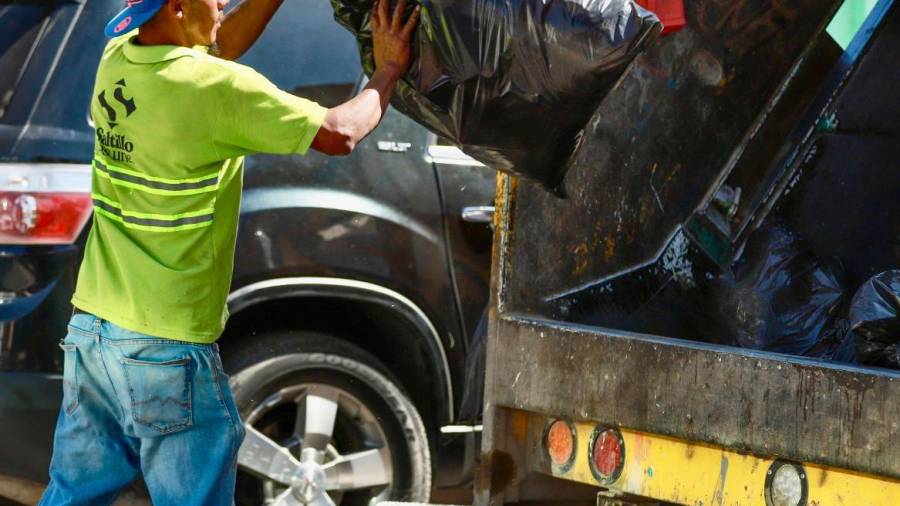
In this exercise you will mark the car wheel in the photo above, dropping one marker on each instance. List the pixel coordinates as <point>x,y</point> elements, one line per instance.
<point>326,424</point>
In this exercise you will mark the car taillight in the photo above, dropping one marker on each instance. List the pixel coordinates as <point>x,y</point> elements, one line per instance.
<point>43,203</point>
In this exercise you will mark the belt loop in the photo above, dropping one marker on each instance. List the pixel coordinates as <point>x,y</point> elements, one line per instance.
<point>97,322</point>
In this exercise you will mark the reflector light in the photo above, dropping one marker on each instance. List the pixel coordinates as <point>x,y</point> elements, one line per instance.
<point>43,203</point>
<point>607,454</point>
<point>785,484</point>
<point>560,442</point>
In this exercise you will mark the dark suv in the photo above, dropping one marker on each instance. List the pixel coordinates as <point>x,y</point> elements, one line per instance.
<point>357,279</point>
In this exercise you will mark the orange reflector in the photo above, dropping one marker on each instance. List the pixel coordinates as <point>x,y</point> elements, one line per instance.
<point>560,443</point>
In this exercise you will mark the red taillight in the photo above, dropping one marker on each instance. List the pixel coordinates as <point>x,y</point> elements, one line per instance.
<point>43,204</point>
<point>607,455</point>
<point>670,12</point>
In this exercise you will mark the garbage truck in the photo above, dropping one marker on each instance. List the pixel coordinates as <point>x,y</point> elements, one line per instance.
<point>679,327</point>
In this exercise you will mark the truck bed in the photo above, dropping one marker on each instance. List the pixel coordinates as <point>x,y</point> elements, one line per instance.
<point>599,306</point>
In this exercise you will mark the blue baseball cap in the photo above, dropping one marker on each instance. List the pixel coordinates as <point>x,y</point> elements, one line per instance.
<point>136,13</point>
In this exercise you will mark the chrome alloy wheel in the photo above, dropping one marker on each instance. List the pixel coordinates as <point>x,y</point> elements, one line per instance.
<point>310,464</point>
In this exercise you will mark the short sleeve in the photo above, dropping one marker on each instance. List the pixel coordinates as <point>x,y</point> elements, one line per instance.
<point>255,116</point>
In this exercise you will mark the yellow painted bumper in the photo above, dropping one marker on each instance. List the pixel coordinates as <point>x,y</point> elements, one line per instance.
<point>682,472</point>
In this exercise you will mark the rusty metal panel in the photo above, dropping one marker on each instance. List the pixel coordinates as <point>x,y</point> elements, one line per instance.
<point>677,123</point>
<point>771,405</point>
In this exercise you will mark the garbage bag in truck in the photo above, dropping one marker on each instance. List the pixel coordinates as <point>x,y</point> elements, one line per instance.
<point>780,297</point>
<point>875,320</point>
<point>512,82</point>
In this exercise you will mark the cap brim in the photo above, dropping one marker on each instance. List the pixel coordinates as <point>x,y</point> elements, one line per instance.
<point>129,19</point>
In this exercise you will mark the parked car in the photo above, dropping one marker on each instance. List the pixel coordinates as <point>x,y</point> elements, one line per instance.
<point>358,280</point>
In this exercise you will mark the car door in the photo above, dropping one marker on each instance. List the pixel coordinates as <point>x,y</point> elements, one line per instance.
<point>467,195</point>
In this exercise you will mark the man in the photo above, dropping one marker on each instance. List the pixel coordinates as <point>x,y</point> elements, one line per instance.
<point>144,391</point>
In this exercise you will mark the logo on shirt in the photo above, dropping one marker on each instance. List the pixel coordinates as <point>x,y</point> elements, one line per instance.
<point>125,102</point>
<point>115,147</point>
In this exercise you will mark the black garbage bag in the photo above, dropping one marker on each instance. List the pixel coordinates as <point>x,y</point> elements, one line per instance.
<point>875,320</point>
<point>512,82</point>
<point>780,297</point>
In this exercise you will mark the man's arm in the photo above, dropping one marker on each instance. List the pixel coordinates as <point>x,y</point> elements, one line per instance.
<point>243,25</point>
<point>347,124</point>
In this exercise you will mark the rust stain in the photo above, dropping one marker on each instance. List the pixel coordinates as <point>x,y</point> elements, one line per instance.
<point>706,68</point>
<point>631,232</point>
<point>823,477</point>
<point>642,447</point>
<point>689,451</point>
<point>675,170</point>
<point>581,258</point>
<point>609,247</point>
<point>519,426</point>
<point>727,78</point>
<point>499,198</point>
<point>595,236</point>
<point>497,472</point>
<point>745,24</point>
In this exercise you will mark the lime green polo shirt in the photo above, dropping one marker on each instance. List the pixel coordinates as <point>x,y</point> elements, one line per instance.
<point>172,126</point>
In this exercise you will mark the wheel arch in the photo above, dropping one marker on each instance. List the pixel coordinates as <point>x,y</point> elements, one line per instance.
<point>339,307</point>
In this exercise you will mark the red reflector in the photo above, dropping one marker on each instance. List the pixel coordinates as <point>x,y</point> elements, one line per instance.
<point>670,12</point>
<point>42,218</point>
<point>560,442</point>
<point>607,455</point>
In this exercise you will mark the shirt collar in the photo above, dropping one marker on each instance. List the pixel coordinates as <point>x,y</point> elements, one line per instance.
<point>158,53</point>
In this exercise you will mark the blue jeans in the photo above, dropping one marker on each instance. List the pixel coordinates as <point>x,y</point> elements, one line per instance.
<point>135,405</point>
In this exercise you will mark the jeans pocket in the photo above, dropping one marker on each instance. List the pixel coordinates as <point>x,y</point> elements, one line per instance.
<point>70,377</point>
<point>160,394</point>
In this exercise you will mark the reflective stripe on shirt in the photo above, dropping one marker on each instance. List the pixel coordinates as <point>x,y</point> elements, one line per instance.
<point>157,185</point>
<point>152,222</point>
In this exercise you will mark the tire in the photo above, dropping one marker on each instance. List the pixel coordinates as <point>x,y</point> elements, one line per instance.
<point>270,375</point>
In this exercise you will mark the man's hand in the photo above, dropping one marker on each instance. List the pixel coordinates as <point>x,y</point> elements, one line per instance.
<point>391,37</point>
<point>347,124</point>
